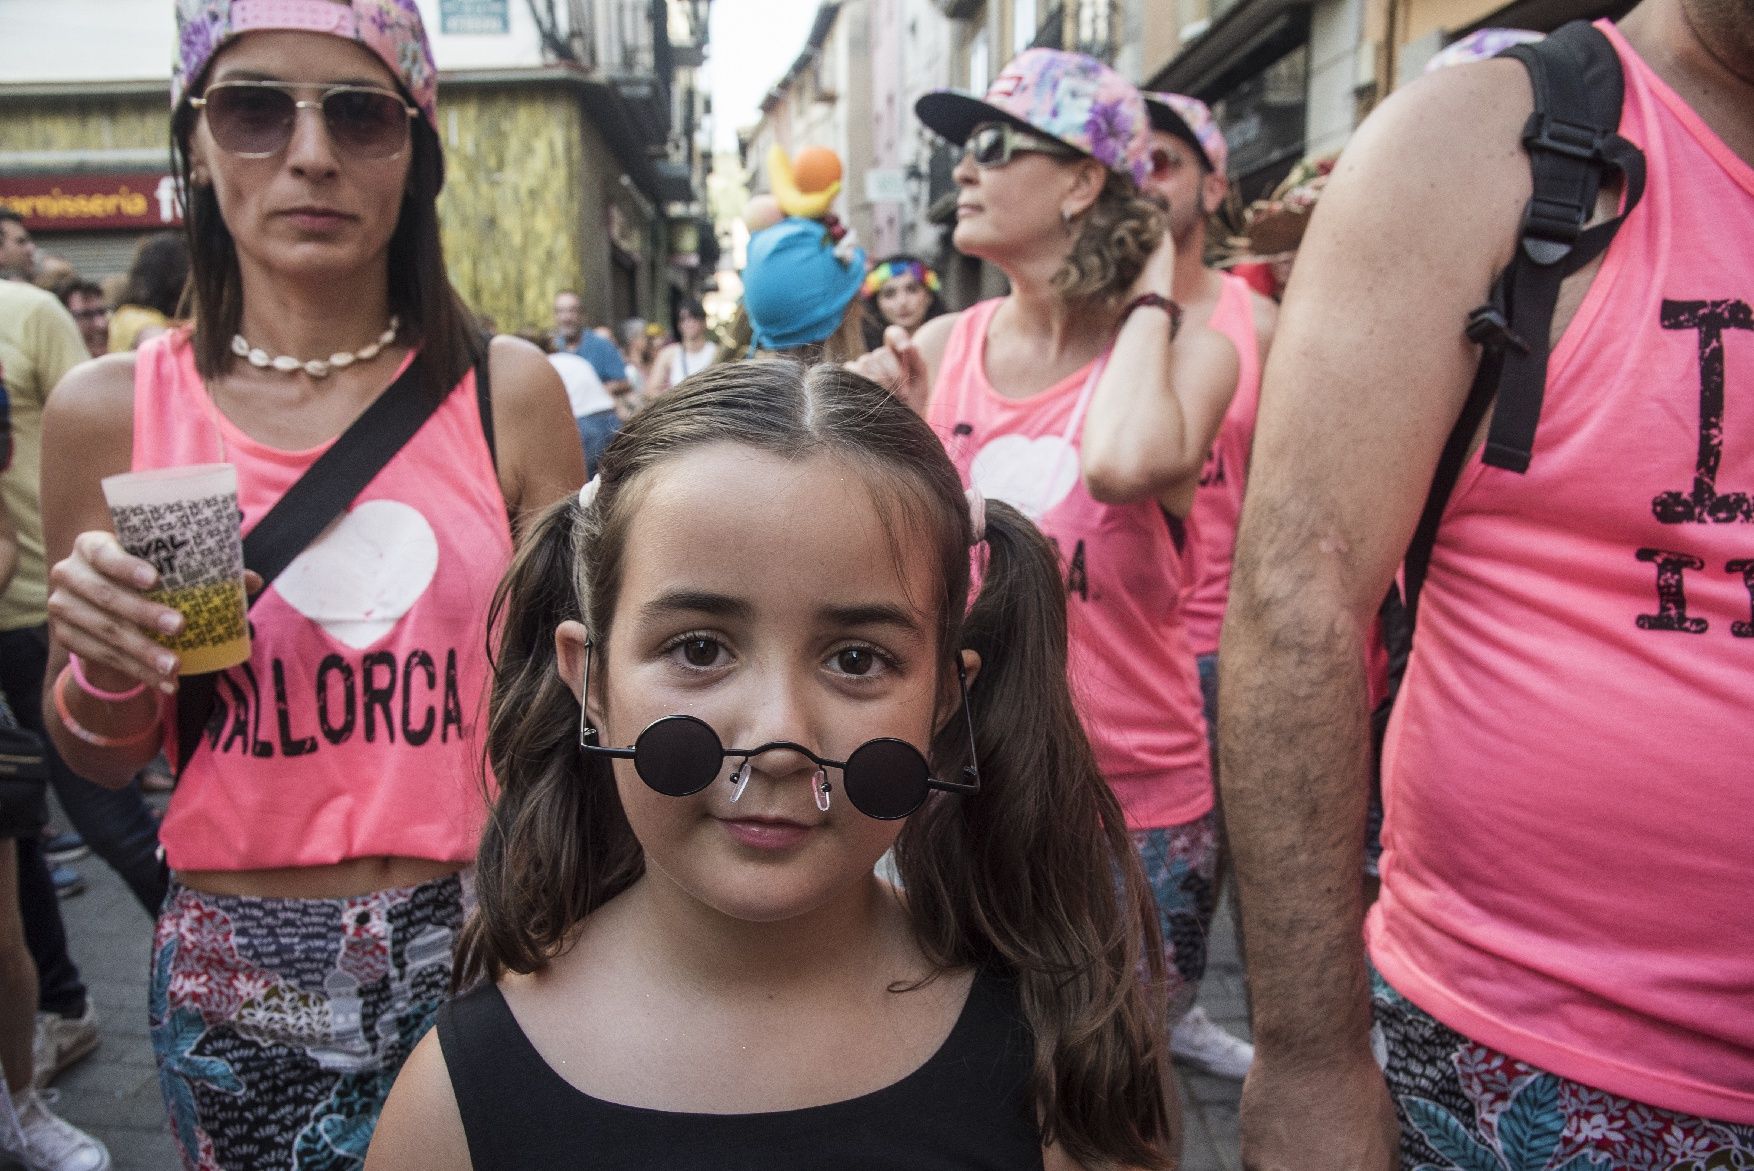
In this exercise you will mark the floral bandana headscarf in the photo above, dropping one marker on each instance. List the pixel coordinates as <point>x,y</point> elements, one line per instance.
<point>890,269</point>
<point>391,29</point>
<point>1067,96</point>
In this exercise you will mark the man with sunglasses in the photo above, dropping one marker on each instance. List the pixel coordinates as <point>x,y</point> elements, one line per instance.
<point>91,313</point>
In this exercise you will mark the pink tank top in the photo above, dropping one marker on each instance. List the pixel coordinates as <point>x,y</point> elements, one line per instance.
<point>350,730</point>
<point>1568,868</point>
<point>1218,501</point>
<point>1131,670</point>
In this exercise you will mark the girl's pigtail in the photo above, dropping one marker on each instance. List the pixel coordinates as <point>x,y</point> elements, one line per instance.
<point>557,843</point>
<point>1038,871</point>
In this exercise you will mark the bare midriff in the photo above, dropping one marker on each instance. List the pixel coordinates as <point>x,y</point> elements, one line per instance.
<point>338,880</point>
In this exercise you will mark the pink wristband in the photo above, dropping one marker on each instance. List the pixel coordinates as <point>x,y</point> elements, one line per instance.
<point>98,739</point>
<point>97,692</point>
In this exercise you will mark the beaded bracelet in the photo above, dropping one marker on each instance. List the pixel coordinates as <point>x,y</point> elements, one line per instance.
<point>96,692</point>
<point>98,739</point>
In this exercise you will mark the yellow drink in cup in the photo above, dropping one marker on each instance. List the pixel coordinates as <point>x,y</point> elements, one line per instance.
<point>186,522</point>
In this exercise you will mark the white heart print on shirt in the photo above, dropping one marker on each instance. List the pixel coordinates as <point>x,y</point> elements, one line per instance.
<point>1031,475</point>
<point>364,572</point>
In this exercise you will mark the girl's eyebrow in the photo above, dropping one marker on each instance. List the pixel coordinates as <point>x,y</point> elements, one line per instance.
<point>870,614</point>
<point>696,602</point>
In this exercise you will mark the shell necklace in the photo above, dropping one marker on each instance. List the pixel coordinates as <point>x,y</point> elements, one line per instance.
<point>316,367</point>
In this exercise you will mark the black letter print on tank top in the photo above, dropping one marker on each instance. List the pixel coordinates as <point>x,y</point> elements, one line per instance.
<point>1671,593</point>
<point>1705,503</point>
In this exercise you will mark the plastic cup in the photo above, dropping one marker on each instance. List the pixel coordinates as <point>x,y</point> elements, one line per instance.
<point>185,521</point>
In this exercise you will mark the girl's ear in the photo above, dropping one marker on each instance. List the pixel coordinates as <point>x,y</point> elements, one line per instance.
<point>570,642</point>
<point>950,702</point>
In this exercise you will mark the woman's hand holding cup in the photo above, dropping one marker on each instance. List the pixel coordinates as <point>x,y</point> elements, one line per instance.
<point>98,610</point>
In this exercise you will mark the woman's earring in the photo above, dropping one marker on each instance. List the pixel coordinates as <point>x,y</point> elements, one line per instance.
<point>739,781</point>
<point>820,784</point>
<point>1066,220</point>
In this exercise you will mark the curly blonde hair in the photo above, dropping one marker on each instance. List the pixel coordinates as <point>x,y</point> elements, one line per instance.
<point>1115,237</point>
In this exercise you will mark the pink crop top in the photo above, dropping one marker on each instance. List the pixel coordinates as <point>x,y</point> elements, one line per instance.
<point>1218,501</point>
<point>350,732</point>
<point>1132,672</point>
<point>1569,774</point>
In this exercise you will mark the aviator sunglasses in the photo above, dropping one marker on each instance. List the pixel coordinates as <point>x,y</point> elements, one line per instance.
<point>992,144</point>
<point>885,778</point>
<point>253,119</point>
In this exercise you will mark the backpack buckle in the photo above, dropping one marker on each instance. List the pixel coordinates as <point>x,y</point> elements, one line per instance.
<point>1487,326</point>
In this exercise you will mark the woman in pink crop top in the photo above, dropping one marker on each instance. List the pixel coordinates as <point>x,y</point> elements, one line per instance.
<point>320,825</point>
<point>1084,399</point>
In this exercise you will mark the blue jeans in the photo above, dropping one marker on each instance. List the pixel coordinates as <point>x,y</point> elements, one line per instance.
<point>115,823</point>
<point>595,432</point>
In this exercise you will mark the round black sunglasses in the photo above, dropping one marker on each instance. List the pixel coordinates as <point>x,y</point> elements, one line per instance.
<point>885,778</point>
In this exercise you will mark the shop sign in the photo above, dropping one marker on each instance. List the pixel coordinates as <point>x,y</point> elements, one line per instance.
<point>73,203</point>
<point>474,17</point>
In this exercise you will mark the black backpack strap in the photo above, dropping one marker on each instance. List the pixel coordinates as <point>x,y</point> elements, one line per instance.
<point>1572,144</point>
<point>323,493</point>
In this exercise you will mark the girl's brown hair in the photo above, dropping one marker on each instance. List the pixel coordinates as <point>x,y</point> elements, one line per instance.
<point>1115,237</point>
<point>1035,874</point>
<point>433,317</point>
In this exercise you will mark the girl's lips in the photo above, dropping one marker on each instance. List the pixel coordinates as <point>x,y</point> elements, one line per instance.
<point>766,835</point>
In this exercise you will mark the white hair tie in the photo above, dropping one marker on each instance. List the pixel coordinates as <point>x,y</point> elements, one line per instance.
<point>977,513</point>
<point>588,492</point>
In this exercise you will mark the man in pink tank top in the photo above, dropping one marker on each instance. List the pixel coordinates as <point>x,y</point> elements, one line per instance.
<point>1187,176</point>
<point>1560,963</point>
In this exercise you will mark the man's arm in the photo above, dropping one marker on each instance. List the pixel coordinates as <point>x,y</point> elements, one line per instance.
<point>1365,380</point>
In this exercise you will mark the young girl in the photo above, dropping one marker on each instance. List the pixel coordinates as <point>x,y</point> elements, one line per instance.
<point>693,961</point>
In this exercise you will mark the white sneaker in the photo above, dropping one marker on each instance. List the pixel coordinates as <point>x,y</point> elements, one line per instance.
<point>1208,1048</point>
<point>52,1143</point>
<point>61,1042</point>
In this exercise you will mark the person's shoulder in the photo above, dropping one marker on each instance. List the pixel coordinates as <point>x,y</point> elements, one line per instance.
<point>516,364</point>
<point>421,1125</point>
<point>23,306</point>
<point>97,390</point>
<point>933,337</point>
<point>1452,138</point>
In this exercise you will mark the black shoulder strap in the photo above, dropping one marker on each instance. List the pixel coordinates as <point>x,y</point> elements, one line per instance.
<point>1572,145</point>
<point>323,493</point>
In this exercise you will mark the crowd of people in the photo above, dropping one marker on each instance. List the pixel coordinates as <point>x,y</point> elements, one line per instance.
<point>827,749</point>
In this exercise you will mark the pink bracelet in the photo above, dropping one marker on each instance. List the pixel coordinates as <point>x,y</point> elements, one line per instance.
<point>96,692</point>
<point>98,739</point>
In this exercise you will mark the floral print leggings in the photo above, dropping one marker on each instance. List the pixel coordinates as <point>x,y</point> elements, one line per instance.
<point>1462,1105</point>
<point>279,1024</point>
<point>1181,867</point>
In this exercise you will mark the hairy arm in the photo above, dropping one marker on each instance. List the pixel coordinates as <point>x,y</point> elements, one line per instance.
<point>1366,377</point>
<point>540,458</point>
<point>1158,403</point>
<point>420,1127</point>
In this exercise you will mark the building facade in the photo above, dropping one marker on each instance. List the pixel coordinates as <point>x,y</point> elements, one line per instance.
<point>572,133</point>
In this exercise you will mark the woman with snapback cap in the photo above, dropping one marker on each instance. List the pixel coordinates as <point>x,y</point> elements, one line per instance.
<point>320,824</point>
<point>1082,399</point>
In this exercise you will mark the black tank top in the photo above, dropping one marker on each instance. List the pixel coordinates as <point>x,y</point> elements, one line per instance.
<point>968,1107</point>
